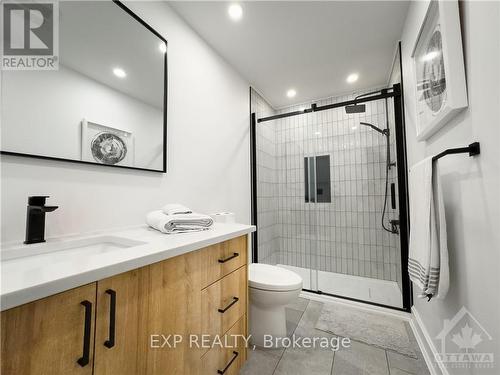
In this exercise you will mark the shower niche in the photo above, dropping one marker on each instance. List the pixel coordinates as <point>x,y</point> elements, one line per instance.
<point>317,183</point>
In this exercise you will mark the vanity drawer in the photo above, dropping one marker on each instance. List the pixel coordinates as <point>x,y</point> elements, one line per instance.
<point>223,258</point>
<point>230,359</point>
<point>224,302</point>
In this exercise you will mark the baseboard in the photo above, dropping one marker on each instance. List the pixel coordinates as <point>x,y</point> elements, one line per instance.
<point>426,344</point>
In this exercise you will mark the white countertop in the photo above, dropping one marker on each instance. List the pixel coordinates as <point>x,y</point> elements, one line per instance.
<point>25,281</point>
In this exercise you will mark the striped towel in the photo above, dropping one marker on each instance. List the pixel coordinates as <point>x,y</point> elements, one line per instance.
<point>428,250</point>
<point>178,223</point>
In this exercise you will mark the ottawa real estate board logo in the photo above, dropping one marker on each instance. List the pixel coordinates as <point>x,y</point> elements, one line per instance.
<point>30,35</point>
<point>464,343</point>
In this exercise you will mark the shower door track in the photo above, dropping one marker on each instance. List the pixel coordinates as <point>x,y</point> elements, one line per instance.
<point>319,292</point>
<point>384,94</point>
<point>397,94</point>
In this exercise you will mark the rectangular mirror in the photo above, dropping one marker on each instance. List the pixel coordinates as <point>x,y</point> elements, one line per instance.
<point>106,104</point>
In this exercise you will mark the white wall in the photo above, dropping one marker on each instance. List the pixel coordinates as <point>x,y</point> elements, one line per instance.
<point>50,129</point>
<point>208,151</point>
<point>471,185</point>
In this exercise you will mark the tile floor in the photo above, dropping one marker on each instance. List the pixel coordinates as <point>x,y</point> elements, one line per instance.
<point>359,359</point>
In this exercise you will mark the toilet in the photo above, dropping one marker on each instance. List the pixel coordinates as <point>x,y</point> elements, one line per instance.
<point>271,288</point>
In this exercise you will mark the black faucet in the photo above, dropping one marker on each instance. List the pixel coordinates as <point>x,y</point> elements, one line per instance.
<point>35,219</point>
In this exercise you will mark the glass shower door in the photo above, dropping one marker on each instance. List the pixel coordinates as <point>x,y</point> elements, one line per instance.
<point>320,196</point>
<point>297,221</point>
<point>353,255</point>
<point>286,224</point>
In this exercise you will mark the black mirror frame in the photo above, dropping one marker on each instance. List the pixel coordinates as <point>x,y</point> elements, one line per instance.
<point>165,86</point>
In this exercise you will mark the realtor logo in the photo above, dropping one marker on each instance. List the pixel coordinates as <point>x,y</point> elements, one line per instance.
<point>30,35</point>
<point>464,343</point>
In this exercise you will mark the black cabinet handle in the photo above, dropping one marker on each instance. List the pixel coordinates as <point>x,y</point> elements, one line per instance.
<point>222,311</point>
<point>84,360</point>
<point>229,258</point>
<point>110,342</point>
<point>221,372</point>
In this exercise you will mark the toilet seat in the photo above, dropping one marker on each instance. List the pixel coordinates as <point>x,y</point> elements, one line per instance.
<point>272,278</point>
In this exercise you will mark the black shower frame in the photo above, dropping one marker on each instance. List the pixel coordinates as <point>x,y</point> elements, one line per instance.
<point>396,93</point>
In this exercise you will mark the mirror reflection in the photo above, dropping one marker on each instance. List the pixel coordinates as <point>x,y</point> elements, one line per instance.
<point>105,103</point>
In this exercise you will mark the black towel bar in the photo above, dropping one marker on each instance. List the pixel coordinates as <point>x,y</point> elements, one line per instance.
<point>472,149</point>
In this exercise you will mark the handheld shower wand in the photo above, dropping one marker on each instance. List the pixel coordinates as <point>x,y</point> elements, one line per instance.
<point>360,108</point>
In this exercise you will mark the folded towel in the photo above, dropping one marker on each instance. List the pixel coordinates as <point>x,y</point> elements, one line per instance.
<point>175,209</point>
<point>428,250</point>
<point>179,223</point>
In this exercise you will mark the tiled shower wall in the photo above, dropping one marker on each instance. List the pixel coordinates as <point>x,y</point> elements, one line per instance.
<point>267,205</point>
<point>344,236</point>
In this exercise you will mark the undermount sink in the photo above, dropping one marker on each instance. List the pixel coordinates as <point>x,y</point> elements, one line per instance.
<point>85,246</point>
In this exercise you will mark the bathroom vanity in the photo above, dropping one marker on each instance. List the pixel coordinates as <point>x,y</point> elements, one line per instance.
<point>110,310</point>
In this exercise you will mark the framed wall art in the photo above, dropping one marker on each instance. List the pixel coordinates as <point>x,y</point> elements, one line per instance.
<point>106,145</point>
<point>438,67</point>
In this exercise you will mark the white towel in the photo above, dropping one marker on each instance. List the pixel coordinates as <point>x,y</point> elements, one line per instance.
<point>444,272</point>
<point>175,209</point>
<point>179,223</point>
<point>428,252</point>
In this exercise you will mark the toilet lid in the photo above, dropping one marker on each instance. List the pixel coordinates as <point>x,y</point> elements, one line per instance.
<point>267,277</point>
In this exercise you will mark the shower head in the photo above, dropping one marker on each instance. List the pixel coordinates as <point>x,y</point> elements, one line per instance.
<point>384,132</point>
<point>355,108</point>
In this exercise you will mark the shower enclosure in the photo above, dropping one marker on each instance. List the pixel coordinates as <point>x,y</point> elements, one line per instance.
<point>329,194</point>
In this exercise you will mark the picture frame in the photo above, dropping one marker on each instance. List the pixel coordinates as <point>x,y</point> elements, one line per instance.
<point>107,145</point>
<point>438,68</point>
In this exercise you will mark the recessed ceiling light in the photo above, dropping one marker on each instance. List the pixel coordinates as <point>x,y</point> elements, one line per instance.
<point>317,133</point>
<point>119,72</point>
<point>235,11</point>
<point>291,93</point>
<point>162,47</point>
<point>351,78</point>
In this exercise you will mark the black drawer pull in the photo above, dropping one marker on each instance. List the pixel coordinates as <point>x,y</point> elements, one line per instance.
<point>235,299</point>
<point>110,342</point>
<point>235,355</point>
<point>229,258</point>
<point>84,360</point>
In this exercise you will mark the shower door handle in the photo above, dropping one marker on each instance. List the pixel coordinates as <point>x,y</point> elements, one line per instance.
<point>393,196</point>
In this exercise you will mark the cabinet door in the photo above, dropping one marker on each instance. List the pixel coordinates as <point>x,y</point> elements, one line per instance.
<point>174,305</point>
<point>119,304</point>
<point>50,336</point>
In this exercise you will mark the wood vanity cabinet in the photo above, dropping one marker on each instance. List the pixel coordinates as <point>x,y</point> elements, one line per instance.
<point>51,335</point>
<point>201,292</point>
